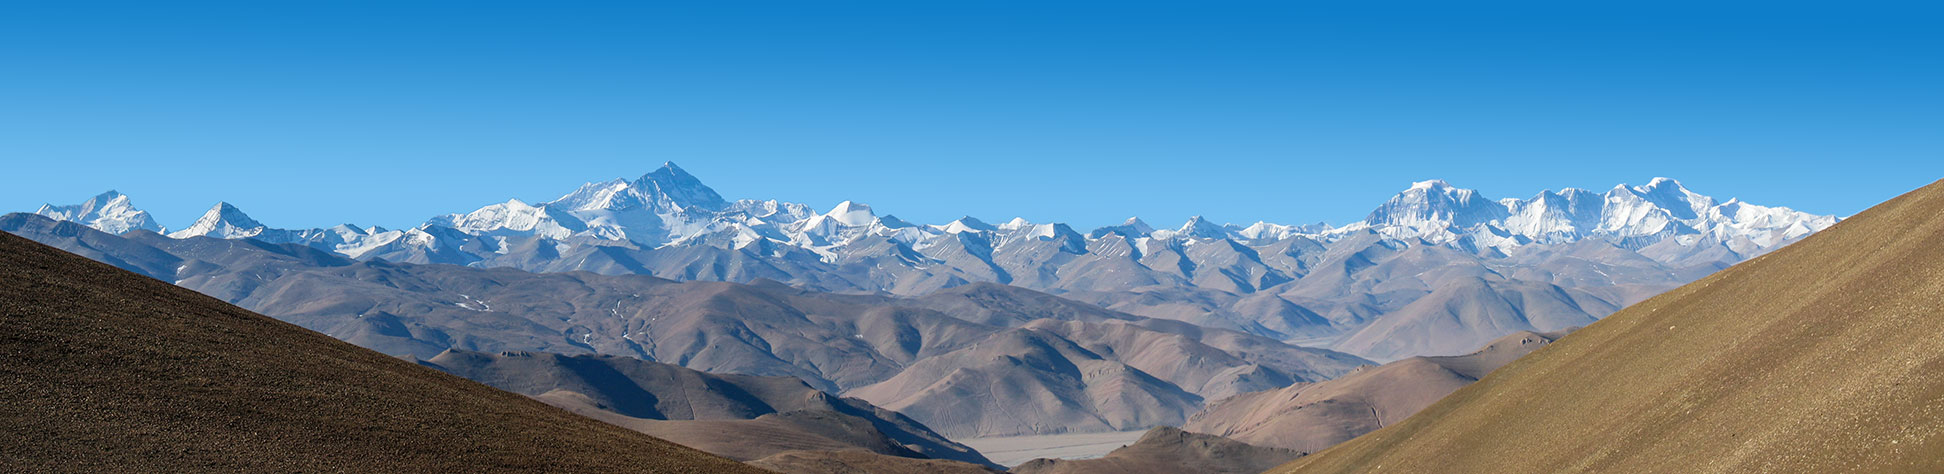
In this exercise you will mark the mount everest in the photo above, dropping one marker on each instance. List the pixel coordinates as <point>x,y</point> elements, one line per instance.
<point>1385,287</point>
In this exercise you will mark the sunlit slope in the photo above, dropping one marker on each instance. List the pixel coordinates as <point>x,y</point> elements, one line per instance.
<point>1826,355</point>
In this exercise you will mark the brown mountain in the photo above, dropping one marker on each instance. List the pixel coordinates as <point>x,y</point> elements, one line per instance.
<point>742,417</point>
<point>1819,357</point>
<point>1463,314</point>
<point>1053,376</point>
<point>1167,450</point>
<point>1309,417</point>
<point>1029,381</point>
<point>106,370</point>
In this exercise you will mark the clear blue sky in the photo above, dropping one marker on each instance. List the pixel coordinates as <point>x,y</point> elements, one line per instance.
<point>312,113</point>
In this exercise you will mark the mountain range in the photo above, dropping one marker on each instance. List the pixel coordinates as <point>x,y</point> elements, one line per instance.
<point>1069,366</point>
<point>1387,287</point>
<point>875,345</point>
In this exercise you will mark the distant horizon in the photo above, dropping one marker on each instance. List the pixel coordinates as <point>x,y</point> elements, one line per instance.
<point>313,114</point>
<point>881,209</point>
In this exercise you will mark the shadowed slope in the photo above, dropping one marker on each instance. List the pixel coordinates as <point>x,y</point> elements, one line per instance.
<point>102,369</point>
<point>1822,356</point>
<point>743,417</point>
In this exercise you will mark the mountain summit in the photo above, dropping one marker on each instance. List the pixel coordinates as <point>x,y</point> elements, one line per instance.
<point>109,212</point>
<point>223,221</point>
<point>1638,215</point>
<point>675,186</point>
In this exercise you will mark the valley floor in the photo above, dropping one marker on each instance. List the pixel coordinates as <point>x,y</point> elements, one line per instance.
<point>1011,451</point>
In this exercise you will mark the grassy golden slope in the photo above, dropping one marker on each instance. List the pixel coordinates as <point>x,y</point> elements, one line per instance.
<point>1827,355</point>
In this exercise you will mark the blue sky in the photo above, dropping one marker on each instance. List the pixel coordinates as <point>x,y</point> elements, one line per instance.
<point>315,113</point>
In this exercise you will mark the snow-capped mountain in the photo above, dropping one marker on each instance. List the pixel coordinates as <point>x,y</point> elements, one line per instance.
<point>108,212</point>
<point>1639,215</point>
<point>670,207</point>
<point>1598,251</point>
<point>225,221</point>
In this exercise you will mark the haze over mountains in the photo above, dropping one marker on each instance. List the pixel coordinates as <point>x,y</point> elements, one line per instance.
<point>1436,270</point>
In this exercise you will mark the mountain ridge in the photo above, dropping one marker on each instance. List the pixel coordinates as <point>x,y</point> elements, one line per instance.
<point>1319,284</point>
<point>1432,209</point>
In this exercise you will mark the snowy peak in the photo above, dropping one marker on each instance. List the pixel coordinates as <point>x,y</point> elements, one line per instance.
<point>1431,184</point>
<point>665,190</point>
<point>1670,195</point>
<point>1201,228</point>
<point>1133,228</point>
<point>110,212</point>
<point>513,216</point>
<point>615,194</point>
<point>967,224</point>
<point>852,214</point>
<point>675,186</point>
<point>1264,230</point>
<point>1663,208</point>
<point>222,221</point>
<point>1435,204</point>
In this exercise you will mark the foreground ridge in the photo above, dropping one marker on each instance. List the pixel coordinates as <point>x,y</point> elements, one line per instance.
<point>1819,357</point>
<point>106,369</point>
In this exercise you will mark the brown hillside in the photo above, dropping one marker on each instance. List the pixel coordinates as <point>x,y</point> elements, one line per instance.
<point>1827,355</point>
<point>740,417</point>
<point>857,461</point>
<point>105,370</point>
<point>1311,417</point>
<point>1168,450</point>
